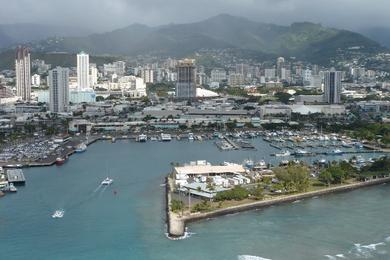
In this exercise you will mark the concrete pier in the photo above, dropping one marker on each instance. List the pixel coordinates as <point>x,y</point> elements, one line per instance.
<point>177,226</point>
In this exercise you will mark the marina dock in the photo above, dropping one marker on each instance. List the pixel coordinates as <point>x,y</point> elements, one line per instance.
<point>16,176</point>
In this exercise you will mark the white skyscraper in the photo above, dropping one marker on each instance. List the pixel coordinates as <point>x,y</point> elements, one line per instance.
<point>82,71</point>
<point>23,73</point>
<point>58,90</point>
<point>332,87</point>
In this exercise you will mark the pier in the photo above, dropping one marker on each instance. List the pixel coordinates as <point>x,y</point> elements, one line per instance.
<point>16,176</point>
<point>177,224</point>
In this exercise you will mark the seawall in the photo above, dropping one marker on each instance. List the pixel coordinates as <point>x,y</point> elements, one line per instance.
<point>177,225</point>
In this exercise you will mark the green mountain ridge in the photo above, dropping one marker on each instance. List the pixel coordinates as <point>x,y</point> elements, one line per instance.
<point>304,40</point>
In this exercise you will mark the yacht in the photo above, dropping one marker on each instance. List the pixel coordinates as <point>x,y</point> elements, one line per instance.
<point>107,181</point>
<point>142,138</point>
<point>261,165</point>
<point>337,152</point>
<point>166,137</point>
<point>249,163</point>
<point>283,154</point>
<point>322,161</point>
<point>346,145</point>
<point>81,148</point>
<point>301,153</point>
<point>58,213</point>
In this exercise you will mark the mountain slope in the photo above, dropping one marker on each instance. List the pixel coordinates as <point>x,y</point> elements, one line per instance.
<point>379,34</point>
<point>303,40</point>
<point>11,34</point>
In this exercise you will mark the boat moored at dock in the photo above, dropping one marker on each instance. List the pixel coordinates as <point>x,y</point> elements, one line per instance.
<point>81,148</point>
<point>166,137</point>
<point>142,138</point>
<point>61,160</point>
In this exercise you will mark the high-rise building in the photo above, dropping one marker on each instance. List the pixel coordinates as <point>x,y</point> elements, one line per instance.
<point>186,79</point>
<point>218,75</point>
<point>332,87</point>
<point>279,67</point>
<point>36,80</point>
<point>117,67</point>
<point>147,75</point>
<point>82,71</point>
<point>58,90</point>
<point>23,73</point>
<point>93,75</point>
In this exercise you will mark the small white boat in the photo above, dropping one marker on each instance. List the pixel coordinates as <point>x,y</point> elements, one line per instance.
<point>283,154</point>
<point>166,137</point>
<point>142,138</point>
<point>107,181</point>
<point>12,188</point>
<point>190,136</point>
<point>58,213</point>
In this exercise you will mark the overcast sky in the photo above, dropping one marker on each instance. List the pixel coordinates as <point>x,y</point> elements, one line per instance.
<point>103,15</point>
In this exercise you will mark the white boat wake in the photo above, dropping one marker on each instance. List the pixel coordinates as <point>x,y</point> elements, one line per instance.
<point>251,257</point>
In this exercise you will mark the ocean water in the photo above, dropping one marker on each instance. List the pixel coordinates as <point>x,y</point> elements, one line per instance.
<point>126,219</point>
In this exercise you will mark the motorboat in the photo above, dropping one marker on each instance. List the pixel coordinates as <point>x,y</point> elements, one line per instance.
<point>107,181</point>
<point>166,137</point>
<point>142,138</point>
<point>58,213</point>
<point>81,148</point>
<point>12,188</point>
<point>190,136</point>
<point>60,160</point>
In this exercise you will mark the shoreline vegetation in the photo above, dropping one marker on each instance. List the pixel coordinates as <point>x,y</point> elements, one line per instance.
<point>287,184</point>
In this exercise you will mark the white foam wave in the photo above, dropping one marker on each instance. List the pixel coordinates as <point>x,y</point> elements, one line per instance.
<point>251,257</point>
<point>365,251</point>
<point>186,235</point>
<point>335,257</point>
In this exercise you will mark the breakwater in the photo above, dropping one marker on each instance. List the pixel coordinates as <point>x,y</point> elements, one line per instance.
<point>177,224</point>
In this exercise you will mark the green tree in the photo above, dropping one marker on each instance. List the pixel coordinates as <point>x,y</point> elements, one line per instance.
<point>293,177</point>
<point>326,177</point>
<point>257,192</point>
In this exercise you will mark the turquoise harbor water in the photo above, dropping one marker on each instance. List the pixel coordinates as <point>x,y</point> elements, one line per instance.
<point>99,224</point>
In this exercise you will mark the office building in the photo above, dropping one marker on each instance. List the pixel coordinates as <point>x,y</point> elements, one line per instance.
<point>186,79</point>
<point>23,73</point>
<point>332,87</point>
<point>58,90</point>
<point>82,71</point>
